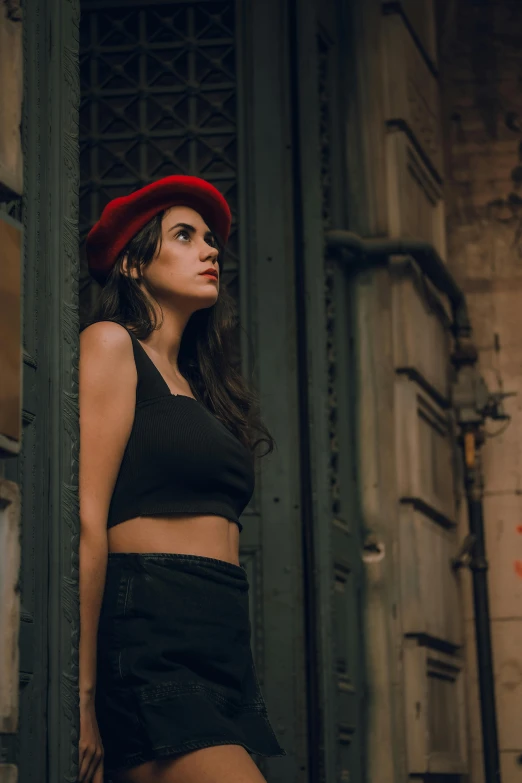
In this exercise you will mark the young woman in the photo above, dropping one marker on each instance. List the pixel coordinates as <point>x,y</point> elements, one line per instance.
<point>168,431</point>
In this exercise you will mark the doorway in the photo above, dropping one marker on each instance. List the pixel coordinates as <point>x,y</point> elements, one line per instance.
<point>242,94</point>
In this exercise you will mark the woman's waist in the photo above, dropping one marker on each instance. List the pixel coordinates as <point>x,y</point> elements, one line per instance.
<point>188,534</point>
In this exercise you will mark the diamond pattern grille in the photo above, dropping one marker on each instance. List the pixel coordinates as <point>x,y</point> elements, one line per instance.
<point>158,98</point>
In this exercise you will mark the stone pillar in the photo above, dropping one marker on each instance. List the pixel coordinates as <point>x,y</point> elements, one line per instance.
<point>481,61</point>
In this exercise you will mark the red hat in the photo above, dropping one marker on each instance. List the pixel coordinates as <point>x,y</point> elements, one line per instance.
<point>123,217</point>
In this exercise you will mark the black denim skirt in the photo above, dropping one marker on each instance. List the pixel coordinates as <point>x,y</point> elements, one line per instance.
<point>175,666</point>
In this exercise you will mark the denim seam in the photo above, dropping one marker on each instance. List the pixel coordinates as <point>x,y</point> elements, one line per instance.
<point>223,564</point>
<point>119,665</point>
<point>129,580</point>
<point>120,653</point>
<point>152,697</point>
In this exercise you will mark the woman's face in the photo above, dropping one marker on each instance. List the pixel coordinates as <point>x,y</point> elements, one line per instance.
<point>188,249</point>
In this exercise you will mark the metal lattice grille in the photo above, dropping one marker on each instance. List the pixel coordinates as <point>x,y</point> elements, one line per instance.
<point>158,98</point>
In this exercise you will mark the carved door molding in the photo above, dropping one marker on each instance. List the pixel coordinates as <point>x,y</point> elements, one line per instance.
<point>47,743</point>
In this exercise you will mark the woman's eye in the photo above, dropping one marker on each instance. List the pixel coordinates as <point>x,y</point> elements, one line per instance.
<point>183,233</point>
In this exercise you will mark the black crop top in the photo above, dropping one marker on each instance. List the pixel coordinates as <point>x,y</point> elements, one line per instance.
<point>179,457</point>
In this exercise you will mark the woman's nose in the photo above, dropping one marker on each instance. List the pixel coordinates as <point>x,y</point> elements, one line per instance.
<point>209,252</point>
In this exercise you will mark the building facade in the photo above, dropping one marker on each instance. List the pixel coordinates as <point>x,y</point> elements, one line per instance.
<point>480,46</point>
<point>329,127</point>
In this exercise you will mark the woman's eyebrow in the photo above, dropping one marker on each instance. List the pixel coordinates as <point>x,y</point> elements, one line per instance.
<point>186,226</point>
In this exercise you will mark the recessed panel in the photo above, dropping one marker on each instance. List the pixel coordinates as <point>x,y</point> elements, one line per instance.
<point>426,452</point>
<point>412,89</point>
<point>429,587</point>
<point>10,336</point>
<point>434,701</point>
<point>415,206</point>
<point>421,337</point>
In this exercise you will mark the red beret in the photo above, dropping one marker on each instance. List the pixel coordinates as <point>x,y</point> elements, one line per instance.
<point>123,217</point>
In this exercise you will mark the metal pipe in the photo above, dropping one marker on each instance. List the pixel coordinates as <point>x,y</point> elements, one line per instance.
<point>375,252</point>
<point>478,565</point>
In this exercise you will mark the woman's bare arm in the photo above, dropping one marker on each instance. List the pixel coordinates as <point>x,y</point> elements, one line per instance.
<point>107,402</point>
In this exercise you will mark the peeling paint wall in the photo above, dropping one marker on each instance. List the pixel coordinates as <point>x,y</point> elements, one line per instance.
<point>480,46</point>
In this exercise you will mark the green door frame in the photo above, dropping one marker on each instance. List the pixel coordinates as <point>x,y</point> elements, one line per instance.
<point>51,208</point>
<point>333,565</point>
<point>63,275</point>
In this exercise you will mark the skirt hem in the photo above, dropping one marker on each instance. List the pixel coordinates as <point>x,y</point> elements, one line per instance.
<point>164,752</point>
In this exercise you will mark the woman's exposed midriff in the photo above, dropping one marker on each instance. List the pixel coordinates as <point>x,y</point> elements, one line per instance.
<point>184,534</point>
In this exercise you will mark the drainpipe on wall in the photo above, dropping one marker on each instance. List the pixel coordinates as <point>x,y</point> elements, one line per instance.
<point>473,404</point>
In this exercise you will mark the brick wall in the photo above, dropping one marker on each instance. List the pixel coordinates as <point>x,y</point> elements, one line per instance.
<point>480,43</point>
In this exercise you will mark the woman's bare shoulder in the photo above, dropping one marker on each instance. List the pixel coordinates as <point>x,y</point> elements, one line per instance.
<point>108,346</point>
<point>110,335</point>
<point>107,394</point>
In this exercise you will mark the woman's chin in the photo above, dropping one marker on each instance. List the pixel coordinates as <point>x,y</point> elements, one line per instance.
<point>207,299</point>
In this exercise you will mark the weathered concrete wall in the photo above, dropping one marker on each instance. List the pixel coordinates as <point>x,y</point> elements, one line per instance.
<point>11,76</point>
<point>481,73</point>
<point>416,724</point>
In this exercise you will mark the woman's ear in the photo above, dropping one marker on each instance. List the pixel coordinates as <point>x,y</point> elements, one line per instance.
<point>133,272</point>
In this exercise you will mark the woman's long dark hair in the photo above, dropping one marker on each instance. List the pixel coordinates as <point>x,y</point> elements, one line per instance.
<point>206,352</point>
